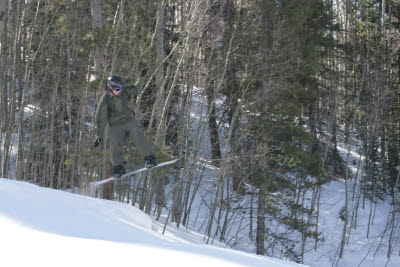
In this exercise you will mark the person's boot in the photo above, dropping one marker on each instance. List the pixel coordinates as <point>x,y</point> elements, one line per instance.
<point>118,171</point>
<point>150,161</point>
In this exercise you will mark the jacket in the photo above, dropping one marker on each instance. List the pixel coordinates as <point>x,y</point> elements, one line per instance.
<point>114,109</point>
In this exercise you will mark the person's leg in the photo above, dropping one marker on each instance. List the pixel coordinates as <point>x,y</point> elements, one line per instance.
<point>117,136</point>
<point>137,135</point>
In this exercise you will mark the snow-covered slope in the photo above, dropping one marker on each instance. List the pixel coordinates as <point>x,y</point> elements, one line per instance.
<point>45,227</point>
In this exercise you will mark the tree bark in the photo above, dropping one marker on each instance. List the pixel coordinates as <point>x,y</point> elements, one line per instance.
<point>160,98</point>
<point>210,43</point>
<point>108,189</point>
<point>97,26</point>
<point>213,126</point>
<point>260,237</point>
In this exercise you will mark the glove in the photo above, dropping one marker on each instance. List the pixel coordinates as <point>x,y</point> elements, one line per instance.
<point>97,142</point>
<point>143,72</point>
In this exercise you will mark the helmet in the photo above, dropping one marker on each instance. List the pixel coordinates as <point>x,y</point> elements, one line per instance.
<point>114,82</point>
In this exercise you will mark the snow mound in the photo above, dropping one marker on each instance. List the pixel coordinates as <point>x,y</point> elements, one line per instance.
<point>46,227</point>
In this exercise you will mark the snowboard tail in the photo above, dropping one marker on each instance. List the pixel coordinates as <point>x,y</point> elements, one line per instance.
<point>97,183</point>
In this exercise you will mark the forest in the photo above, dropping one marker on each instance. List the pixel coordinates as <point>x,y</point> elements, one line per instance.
<point>272,96</point>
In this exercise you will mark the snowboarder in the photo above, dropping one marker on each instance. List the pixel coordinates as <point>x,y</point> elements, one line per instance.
<point>114,110</point>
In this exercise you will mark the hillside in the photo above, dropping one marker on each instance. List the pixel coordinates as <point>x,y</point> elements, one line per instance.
<point>76,230</point>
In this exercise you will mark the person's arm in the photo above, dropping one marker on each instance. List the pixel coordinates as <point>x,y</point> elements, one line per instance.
<point>134,90</point>
<point>101,117</point>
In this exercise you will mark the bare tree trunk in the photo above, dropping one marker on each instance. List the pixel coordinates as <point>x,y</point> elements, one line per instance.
<point>3,68</point>
<point>232,90</point>
<point>15,32</point>
<point>108,188</point>
<point>392,223</point>
<point>3,74</point>
<point>3,13</point>
<point>260,237</point>
<point>210,43</point>
<point>251,236</point>
<point>97,26</point>
<point>161,104</point>
<point>160,82</point>
<point>212,124</point>
<point>20,160</point>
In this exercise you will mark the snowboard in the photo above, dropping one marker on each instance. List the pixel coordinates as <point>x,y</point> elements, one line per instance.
<point>97,183</point>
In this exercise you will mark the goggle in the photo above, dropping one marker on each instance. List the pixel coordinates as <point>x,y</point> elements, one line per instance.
<point>117,89</point>
<point>114,86</point>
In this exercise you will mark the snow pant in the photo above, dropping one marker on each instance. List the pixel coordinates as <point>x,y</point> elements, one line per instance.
<point>120,132</point>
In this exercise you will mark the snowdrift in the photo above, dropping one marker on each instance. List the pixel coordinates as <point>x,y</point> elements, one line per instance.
<point>46,227</point>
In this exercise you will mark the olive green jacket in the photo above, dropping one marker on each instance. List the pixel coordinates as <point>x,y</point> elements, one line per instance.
<point>114,109</point>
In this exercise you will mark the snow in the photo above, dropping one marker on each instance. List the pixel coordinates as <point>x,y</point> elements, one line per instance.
<point>362,250</point>
<point>45,227</point>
